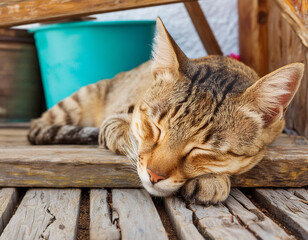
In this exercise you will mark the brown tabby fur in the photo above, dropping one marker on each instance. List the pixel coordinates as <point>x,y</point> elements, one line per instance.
<point>192,122</point>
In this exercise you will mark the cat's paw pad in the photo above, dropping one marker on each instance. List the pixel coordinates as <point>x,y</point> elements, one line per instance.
<point>207,189</point>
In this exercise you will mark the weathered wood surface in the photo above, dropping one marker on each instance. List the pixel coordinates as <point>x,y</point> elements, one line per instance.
<point>216,222</point>
<point>64,166</point>
<point>102,226</point>
<point>282,166</point>
<point>258,223</point>
<point>294,21</point>
<point>18,12</point>
<point>287,208</point>
<point>287,43</point>
<point>285,165</point>
<point>45,214</point>
<point>138,217</point>
<point>253,34</point>
<point>182,219</point>
<point>203,28</point>
<point>301,193</point>
<point>8,201</point>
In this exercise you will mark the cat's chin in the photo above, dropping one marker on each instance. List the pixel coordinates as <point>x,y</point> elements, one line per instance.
<point>163,188</point>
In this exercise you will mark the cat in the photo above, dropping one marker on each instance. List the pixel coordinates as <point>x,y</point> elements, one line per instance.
<point>187,123</point>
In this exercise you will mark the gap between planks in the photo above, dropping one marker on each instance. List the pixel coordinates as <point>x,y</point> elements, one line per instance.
<point>131,214</point>
<point>45,214</point>
<point>237,218</point>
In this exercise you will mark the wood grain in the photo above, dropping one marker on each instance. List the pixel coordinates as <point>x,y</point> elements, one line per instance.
<point>101,225</point>
<point>287,208</point>
<point>182,219</point>
<point>256,221</point>
<point>23,165</point>
<point>203,28</point>
<point>301,193</point>
<point>138,217</point>
<point>45,214</point>
<point>287,43</point>
<point>253,34</point>
<point>18,12</point>
<point>8,201</point>
<point>282,165</point>
<point>216,222</point>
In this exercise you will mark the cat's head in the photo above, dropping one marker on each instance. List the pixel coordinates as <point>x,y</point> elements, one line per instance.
<point>210,115</point>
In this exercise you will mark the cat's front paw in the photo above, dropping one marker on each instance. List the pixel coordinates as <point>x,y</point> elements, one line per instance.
<point>206,189</point>
<point>114,134</point>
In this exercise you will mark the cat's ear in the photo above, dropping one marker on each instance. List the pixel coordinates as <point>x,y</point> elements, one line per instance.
<point>273,93</point>
<point>167,54</point>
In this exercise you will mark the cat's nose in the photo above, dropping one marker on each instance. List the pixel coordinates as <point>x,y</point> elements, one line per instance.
<point>154,178</point>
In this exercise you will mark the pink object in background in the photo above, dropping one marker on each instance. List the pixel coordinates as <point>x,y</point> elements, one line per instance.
<point>235,56</point>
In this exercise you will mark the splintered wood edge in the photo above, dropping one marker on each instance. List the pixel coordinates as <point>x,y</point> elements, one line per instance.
<point>285,165</point>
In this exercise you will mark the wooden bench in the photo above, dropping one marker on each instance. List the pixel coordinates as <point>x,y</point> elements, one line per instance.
<point>107,209</point>
<point>94,199</point>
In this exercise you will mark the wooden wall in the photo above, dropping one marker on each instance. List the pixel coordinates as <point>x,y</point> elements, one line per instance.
<point>286,42</point>
<point>285,46</point>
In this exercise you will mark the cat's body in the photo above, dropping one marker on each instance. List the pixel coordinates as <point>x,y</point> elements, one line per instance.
<point>195,121</point>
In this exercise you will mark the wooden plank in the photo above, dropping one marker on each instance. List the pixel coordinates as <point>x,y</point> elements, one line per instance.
<point>253,34</point>
<point>101,222</point>
<point>45,214</point>
<point>138,217</point>
<point>294,21</point>
<point>216,222</point>
<point>182,219</point>
<point>287,43</point>
<point>20,12</point>
<point>287,208</point>
<point>285,165</point>
<point>64,166</point>
<point>258,223</point>
<point>8,201</point>
<point>203,28</point>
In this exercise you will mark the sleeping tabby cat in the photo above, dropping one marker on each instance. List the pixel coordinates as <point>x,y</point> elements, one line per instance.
<point>187,123</point>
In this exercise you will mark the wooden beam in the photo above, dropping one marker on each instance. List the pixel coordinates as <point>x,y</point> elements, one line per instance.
<point>18,12</point>
<point>253,34</point>
<point>203,28</point>
<point>23,165</point>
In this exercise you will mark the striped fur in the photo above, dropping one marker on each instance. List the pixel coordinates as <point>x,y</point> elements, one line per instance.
<point>194,122</point>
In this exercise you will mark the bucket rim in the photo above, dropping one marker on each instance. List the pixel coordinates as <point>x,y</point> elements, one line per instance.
<point>91,23</point>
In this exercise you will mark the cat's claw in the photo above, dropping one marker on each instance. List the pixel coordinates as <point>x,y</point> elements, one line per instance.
<point>206,189</point>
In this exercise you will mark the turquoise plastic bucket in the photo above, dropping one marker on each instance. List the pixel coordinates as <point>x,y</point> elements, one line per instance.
<point>72,55</point>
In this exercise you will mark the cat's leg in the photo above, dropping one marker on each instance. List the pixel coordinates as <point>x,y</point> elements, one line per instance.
<point>115,134</point>
<point>207,189</point>
<point>74,120</point>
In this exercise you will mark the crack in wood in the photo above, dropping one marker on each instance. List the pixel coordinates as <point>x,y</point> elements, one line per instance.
<point>51,221</point>
<point>196,222</point>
